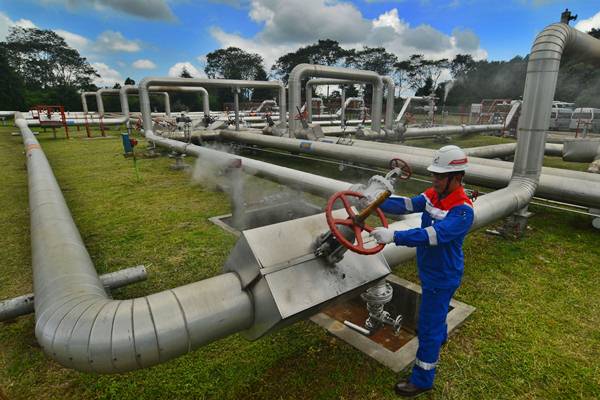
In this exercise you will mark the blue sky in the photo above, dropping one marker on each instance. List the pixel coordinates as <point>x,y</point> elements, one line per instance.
<point>139,38</point>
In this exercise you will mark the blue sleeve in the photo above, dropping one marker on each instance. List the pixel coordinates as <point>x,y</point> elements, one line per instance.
<point>457,223</point>
<point>403,205</point>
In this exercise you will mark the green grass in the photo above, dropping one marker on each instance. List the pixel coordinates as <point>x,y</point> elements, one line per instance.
<point>534,335</point>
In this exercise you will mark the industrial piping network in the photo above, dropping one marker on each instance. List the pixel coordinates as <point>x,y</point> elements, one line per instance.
<point>81,328</point>
<point>304,71</point>
<point>475,161</point>
<point>308,93</point>
<point>389,105</point>
<point>132,89</point>
<point>233,84</point>
<point>117,92</point>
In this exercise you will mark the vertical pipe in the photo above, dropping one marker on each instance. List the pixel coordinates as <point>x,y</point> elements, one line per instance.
<point>236,107</point>
<point>167,104</point>
<point>309,97</point>
<point>389,104</point>
<point>343,112</point>
<point>84,103</point>
<point>100,103</point>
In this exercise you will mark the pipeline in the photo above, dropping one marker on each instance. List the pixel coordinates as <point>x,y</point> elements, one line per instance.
<point>308,93</point>
<point>131,89</point>
<point>23,305</point>
<point>583,150</point>
<point>405,151</point>
<point>553,187</point>
<point>79,326</point>
<point>222,83</point>
<point>303,71</point>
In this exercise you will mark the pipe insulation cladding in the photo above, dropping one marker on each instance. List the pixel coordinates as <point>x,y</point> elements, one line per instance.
<point>304,71</point>
<point>80,327</point>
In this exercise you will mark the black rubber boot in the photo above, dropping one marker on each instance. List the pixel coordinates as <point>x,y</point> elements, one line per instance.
<point>405,388</point>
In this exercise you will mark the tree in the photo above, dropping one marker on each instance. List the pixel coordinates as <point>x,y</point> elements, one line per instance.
<point>372,59</point>
<point>184,101</point>
<point>401,74</point>
<point>233,63</point>
<point>461,65</point>
<point>51,71</point>
<point>262,94</point>
<point>44,60</point>
<point>324,52</point>
<point>422,72</point>
<point>129,81</point>
<point>185,73</point>
<point>11,85</point>
<point>375,59</point>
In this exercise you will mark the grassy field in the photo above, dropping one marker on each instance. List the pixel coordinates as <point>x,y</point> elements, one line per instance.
<point>534,334</point>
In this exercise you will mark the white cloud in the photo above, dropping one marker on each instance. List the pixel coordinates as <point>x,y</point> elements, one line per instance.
<point>284,31</point>
<point>177,68</point>
<point>108,76</point>
<point>143,64</point>
<point>25,23</point>
<point>115,41</point>
<point>6,23</point>
<point>390,18</point>
<point>74,40</point>
<point>586,25</point>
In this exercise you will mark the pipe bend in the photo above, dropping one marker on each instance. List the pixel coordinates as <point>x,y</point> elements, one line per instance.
<point>79,326</point>
<point>93,333</point>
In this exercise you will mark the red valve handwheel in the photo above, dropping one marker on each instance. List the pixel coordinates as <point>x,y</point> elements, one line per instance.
<point>404,167</point>
<point>333,223</point>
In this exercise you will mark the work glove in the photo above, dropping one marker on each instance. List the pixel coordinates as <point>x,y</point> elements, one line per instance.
<point>383,235</point>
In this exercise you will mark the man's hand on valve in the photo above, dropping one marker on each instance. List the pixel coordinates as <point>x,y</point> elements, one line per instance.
<point>383,235</point>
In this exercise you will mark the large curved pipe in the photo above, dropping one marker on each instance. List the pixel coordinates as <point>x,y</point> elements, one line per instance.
<point>133,90</point>
<point>84,104</point>
<point>308,93</point>
<point>390,88</point>
<point>146,83</point>
<point>303,71</point>
<point>183,89</point>
<point>80,327</point>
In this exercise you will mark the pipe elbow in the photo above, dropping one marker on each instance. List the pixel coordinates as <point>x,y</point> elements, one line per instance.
<point>91,333</point>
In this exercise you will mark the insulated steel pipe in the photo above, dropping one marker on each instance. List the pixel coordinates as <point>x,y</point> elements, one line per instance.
<point>133,90</point>
<point>80,327</point>
<point>84,96</point>
<point>390,93</point>
<point>308,92</point>
<point>575,191</point>
<point>475,156</point>
<point>390,87</point>
<point>23,305</point>
<point>146,83</point>
<point>125,104</point>
<point>304,71</point>
<point>184,89</point>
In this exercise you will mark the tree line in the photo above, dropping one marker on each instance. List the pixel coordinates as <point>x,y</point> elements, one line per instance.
<point>38,67</point>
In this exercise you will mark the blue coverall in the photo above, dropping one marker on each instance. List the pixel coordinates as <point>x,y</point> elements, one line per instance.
<point>444,225</point>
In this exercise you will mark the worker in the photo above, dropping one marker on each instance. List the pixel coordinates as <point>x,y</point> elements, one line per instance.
<point>446,219</point>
